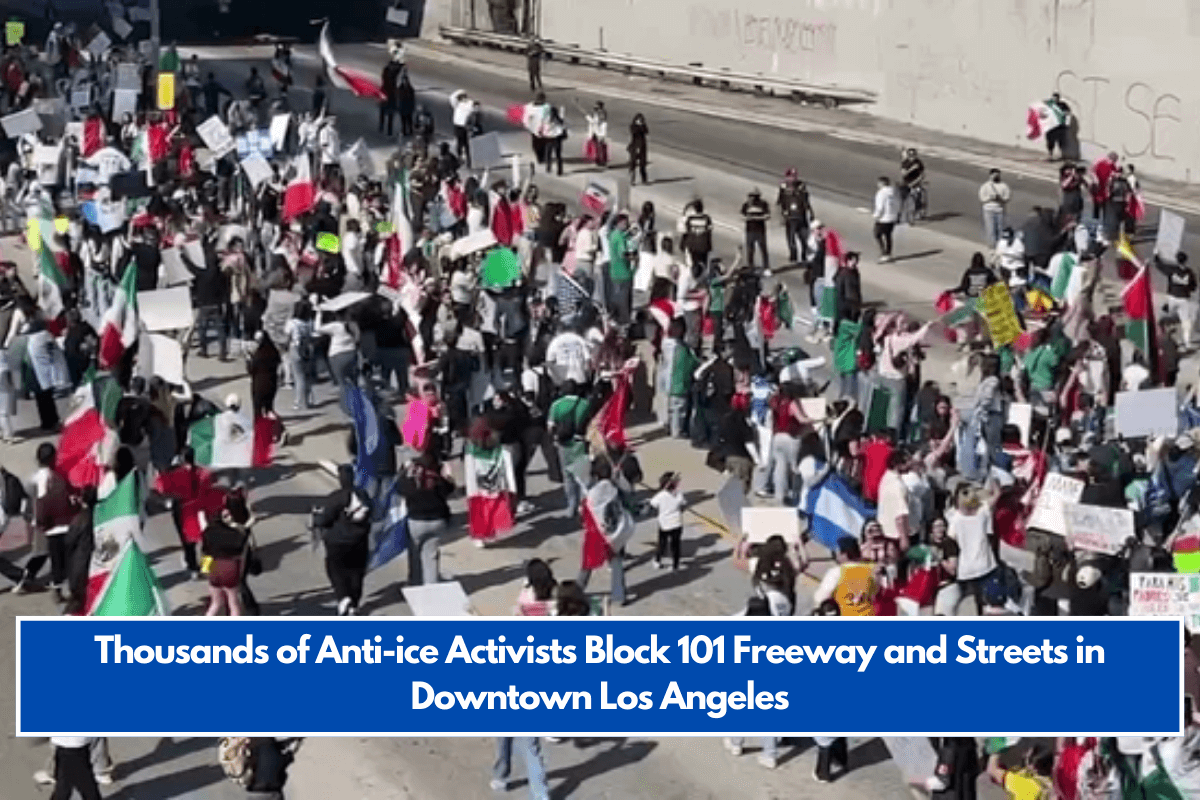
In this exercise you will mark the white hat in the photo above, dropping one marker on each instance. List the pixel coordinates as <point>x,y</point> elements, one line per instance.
<point>232,400</point>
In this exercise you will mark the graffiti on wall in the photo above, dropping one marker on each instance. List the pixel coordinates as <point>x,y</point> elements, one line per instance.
<point>772,34</point>
<point>1145,115</point>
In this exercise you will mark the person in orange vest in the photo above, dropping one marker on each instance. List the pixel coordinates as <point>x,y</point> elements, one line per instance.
<point>851,584</point>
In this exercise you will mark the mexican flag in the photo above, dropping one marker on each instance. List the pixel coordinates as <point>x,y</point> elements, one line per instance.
<point>1138,299</point>
<point>835,252</point>
<point>1042,117</point>
<point>352,80</point>
<point>301,193</point>
<point>93,136</point>
<point>1067,281</point>
<point>225,440</point>
<point>121,582</point>
<point>119,329</point>
<point>88,436</point>
<point>51,282</point>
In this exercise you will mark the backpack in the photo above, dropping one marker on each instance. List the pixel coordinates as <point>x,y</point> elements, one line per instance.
<point>236,756</point>
<point>12,493</point>
<point>568,429</point>
<point>1119,190</point>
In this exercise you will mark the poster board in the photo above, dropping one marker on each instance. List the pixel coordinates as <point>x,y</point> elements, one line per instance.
<point>438,600</point>
<point>124,102</point>
<point>486,152</point>
<point>81,96</point>
<point>1169,241</point>
<point>1058,490</point>
<point>280,124</point>
<point>1098,529</point>
<point>731,499</point>
<point>397,16</point>
<point>174,273</point>
<point>121,28</point>
<point>257,170</point>
<point>129,77</point>
<point>166,91</point>
<point>21,123</point>
<point>1149,412</point>
<point>997,306</point>
<point>166,309</point>
<point>761,523</point>
<point>161,356</point>
<point>1159,594</point>
<point>279,310</point>
<point>216,136</point>
<point>195,252</point>
<point>257,141</point>
<point>1021,415</point>
<point>14,32</point>
<point>99,45</point>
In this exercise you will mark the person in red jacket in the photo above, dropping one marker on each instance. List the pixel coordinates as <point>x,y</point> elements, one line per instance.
<point>55,504</point>
<point>192,491</point>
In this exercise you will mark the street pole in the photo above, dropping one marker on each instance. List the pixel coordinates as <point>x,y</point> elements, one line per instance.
<point>155,40</point>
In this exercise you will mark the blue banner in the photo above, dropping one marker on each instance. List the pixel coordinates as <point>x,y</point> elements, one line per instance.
<point>601,676</point>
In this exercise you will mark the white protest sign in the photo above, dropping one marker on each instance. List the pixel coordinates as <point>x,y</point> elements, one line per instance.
<point>278,312</point>
<point>124,102</point>
<point>129,77</point>
<point>1057,491</point>
<point>121,28</point>
<point>1097,528</point>
<point>1149,412</point>
<point>1021,415</point>
<point>257,170</point>
<point>731,498</point>
<point>216,136</point>
<point>195,252</point>
<point>279,130</point>
<point>1158,594</point>
<point>81,96</point>
<point>46,160</point>
<point>445,599</point>
<point>174,272</point>
<point>397,16</point>
<point>486,152</point>
<point>165,309</point>
<point>205,161</point>
<point>161,356</point>
<point>1170,235</point>
<point>99,45</point>
<point>22,122</point>
<point>761,523</point>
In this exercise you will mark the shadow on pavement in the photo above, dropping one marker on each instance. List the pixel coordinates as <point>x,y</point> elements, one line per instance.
<point>621,754</point>
<point>166,750</point>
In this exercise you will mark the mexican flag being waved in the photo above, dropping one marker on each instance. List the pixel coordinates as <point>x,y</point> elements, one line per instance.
<point>344,78</point>
<point>1138,300</point>
<point>89,438</point>
<point>121,582</point>
<point>1041,117</point>
<point>51,283</point>
<point>119,330</point>
<point>230,440</point>
<point>301,193</point>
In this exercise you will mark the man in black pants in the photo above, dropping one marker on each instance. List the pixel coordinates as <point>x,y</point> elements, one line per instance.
<point>390,81</point>
<point>533,61</point>
<point>756,212</point>
<point>73,768</point>
<point>796,209</point>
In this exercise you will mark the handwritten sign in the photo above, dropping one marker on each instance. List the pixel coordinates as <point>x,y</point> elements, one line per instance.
<point>1159,594</point>
<point>216,136</point>
<point>257,170</point>
<point>1057,491</point>
<point>997,306</point>
<point>1150,412</point>
<point>1098,529</point>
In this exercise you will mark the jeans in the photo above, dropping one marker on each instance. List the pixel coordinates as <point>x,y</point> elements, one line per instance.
<point>302,377</point>
<point>883,236</point>
<point>848,386</point>
<point>770,745</point>
<point>677,408</point>
<point>895,416</point>
<point>620,304</point>
<point>424,548</point>
<point>344,369</point>
<point>757,240</point>
<point>530,748</point>
<point>993,225</point>
<point>206,317</point>
<point>785,454</point>
<point>573,486</point>
<point>616,566</point>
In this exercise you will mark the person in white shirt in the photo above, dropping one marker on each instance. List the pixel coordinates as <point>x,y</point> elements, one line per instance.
<point>669,503</point>
<point>969,524</point>
<point>73,767</point>
<point>343,353</point>
<point>886,214</point>
<point>894,515</point>
<point>569,358</point>
<point>994,195</point>
<point>462,107</point>
<point>1010,254</point>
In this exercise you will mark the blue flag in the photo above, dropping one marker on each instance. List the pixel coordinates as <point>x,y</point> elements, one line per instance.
<point>834,511</point>
<point>393,539</point>
<point>366,437</point>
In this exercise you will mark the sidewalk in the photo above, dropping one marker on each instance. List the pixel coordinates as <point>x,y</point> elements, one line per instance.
<point>851,123</point>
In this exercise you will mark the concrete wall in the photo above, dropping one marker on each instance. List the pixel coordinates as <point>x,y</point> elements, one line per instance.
<point>968,67</point>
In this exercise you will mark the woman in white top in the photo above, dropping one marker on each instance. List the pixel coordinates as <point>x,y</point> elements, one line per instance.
<point>970,526</point>
<point>597,122</point>
<point>300,354</point>
<point>343,353</point>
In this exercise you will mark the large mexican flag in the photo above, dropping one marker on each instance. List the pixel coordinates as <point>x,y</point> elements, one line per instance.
<point>121,582</point>
<point>89,437</point>
<point>229,440</point>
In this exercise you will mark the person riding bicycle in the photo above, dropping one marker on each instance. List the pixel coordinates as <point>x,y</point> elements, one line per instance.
<point>912,183</point>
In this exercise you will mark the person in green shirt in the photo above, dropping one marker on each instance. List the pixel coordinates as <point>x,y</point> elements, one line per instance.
<point>845,358</point>
<point>1041,365</point>
<point>620,271</point>
<point>567,422</point>
<point>684,363</point>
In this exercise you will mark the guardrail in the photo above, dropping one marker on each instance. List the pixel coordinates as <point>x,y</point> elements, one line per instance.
<point>828,96</point>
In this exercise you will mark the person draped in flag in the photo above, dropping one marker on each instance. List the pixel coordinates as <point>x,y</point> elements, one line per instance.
<point>607,527</point>
<point>193,496</point>
<point>490,484</point>
<point>1059,126</point>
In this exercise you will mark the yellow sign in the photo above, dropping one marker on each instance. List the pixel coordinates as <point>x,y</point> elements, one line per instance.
<point>34,235</point>
<point>1001,316</point>
<point>166,91</point>
<point>14,32</point>
<point>61,224</point>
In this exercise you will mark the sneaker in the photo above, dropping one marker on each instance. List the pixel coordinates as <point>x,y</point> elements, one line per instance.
<point>525,507</point>
<point>767,761</point>
<point>657,564</point>
<point>22,586</point>
<point>764,493</point>
<point>818,778</point>
<point>104,778</point>
<point>343,606</point>
<point>732,748</point>
<point>499,785</point>
<point>480,544</point>
<point>43,778</point>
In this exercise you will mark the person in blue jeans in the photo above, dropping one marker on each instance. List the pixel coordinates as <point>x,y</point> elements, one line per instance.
<point>530,748</point>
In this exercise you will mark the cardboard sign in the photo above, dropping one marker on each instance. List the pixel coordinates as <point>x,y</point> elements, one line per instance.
<point>257,170</point>
<point>761,523</point>
<point>216,136</point>
<point>124,102</point>
<point>486,152</point>
<point>165,309</point>
<point>731,499</point>
<point>99,45</point>
<point>129,77</point>
<point>1170,235</point>
<point>997,306</point>
<point>1057,491</point>
<point>174,272</point>
<point>121,28</point>
<point>1149,412</point>
<point>280,124</point>
<point>195,252</point>
<point>81,97</point>
<point>14,32</point>
<point>1158,594</point>
<point>161,356</point>
<point>166,91</point>
<point>1098,529</point>
<point>21,123</point>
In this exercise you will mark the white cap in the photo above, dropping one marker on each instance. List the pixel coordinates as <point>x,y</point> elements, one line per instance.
<point>232,400</point>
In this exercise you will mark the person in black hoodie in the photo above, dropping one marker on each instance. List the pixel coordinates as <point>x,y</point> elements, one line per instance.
<point>345,522</point>
<point>426,485</point>
<point>957,769</point>
<point>1181,293</point>
<point>210,296</point>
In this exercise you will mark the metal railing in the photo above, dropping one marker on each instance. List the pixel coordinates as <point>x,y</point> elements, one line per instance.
<point>827,95</point>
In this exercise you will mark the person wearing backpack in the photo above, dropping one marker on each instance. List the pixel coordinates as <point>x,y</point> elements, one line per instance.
<point>566,423</point>
<point>13,499</point>
<point>346,525</point>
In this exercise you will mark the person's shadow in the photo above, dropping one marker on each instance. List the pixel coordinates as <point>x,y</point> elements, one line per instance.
<point>621,753</point>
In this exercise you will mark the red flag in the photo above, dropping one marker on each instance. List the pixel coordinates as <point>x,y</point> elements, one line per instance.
<point>93,136</point>
<point>596,551</point>
<point>612,416</point>
<point>266,430</point>
<point>489,515</point>
<point>343,78</point>
<point>516,114</point>
<point>301,193</point>
<point>766,318</point>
